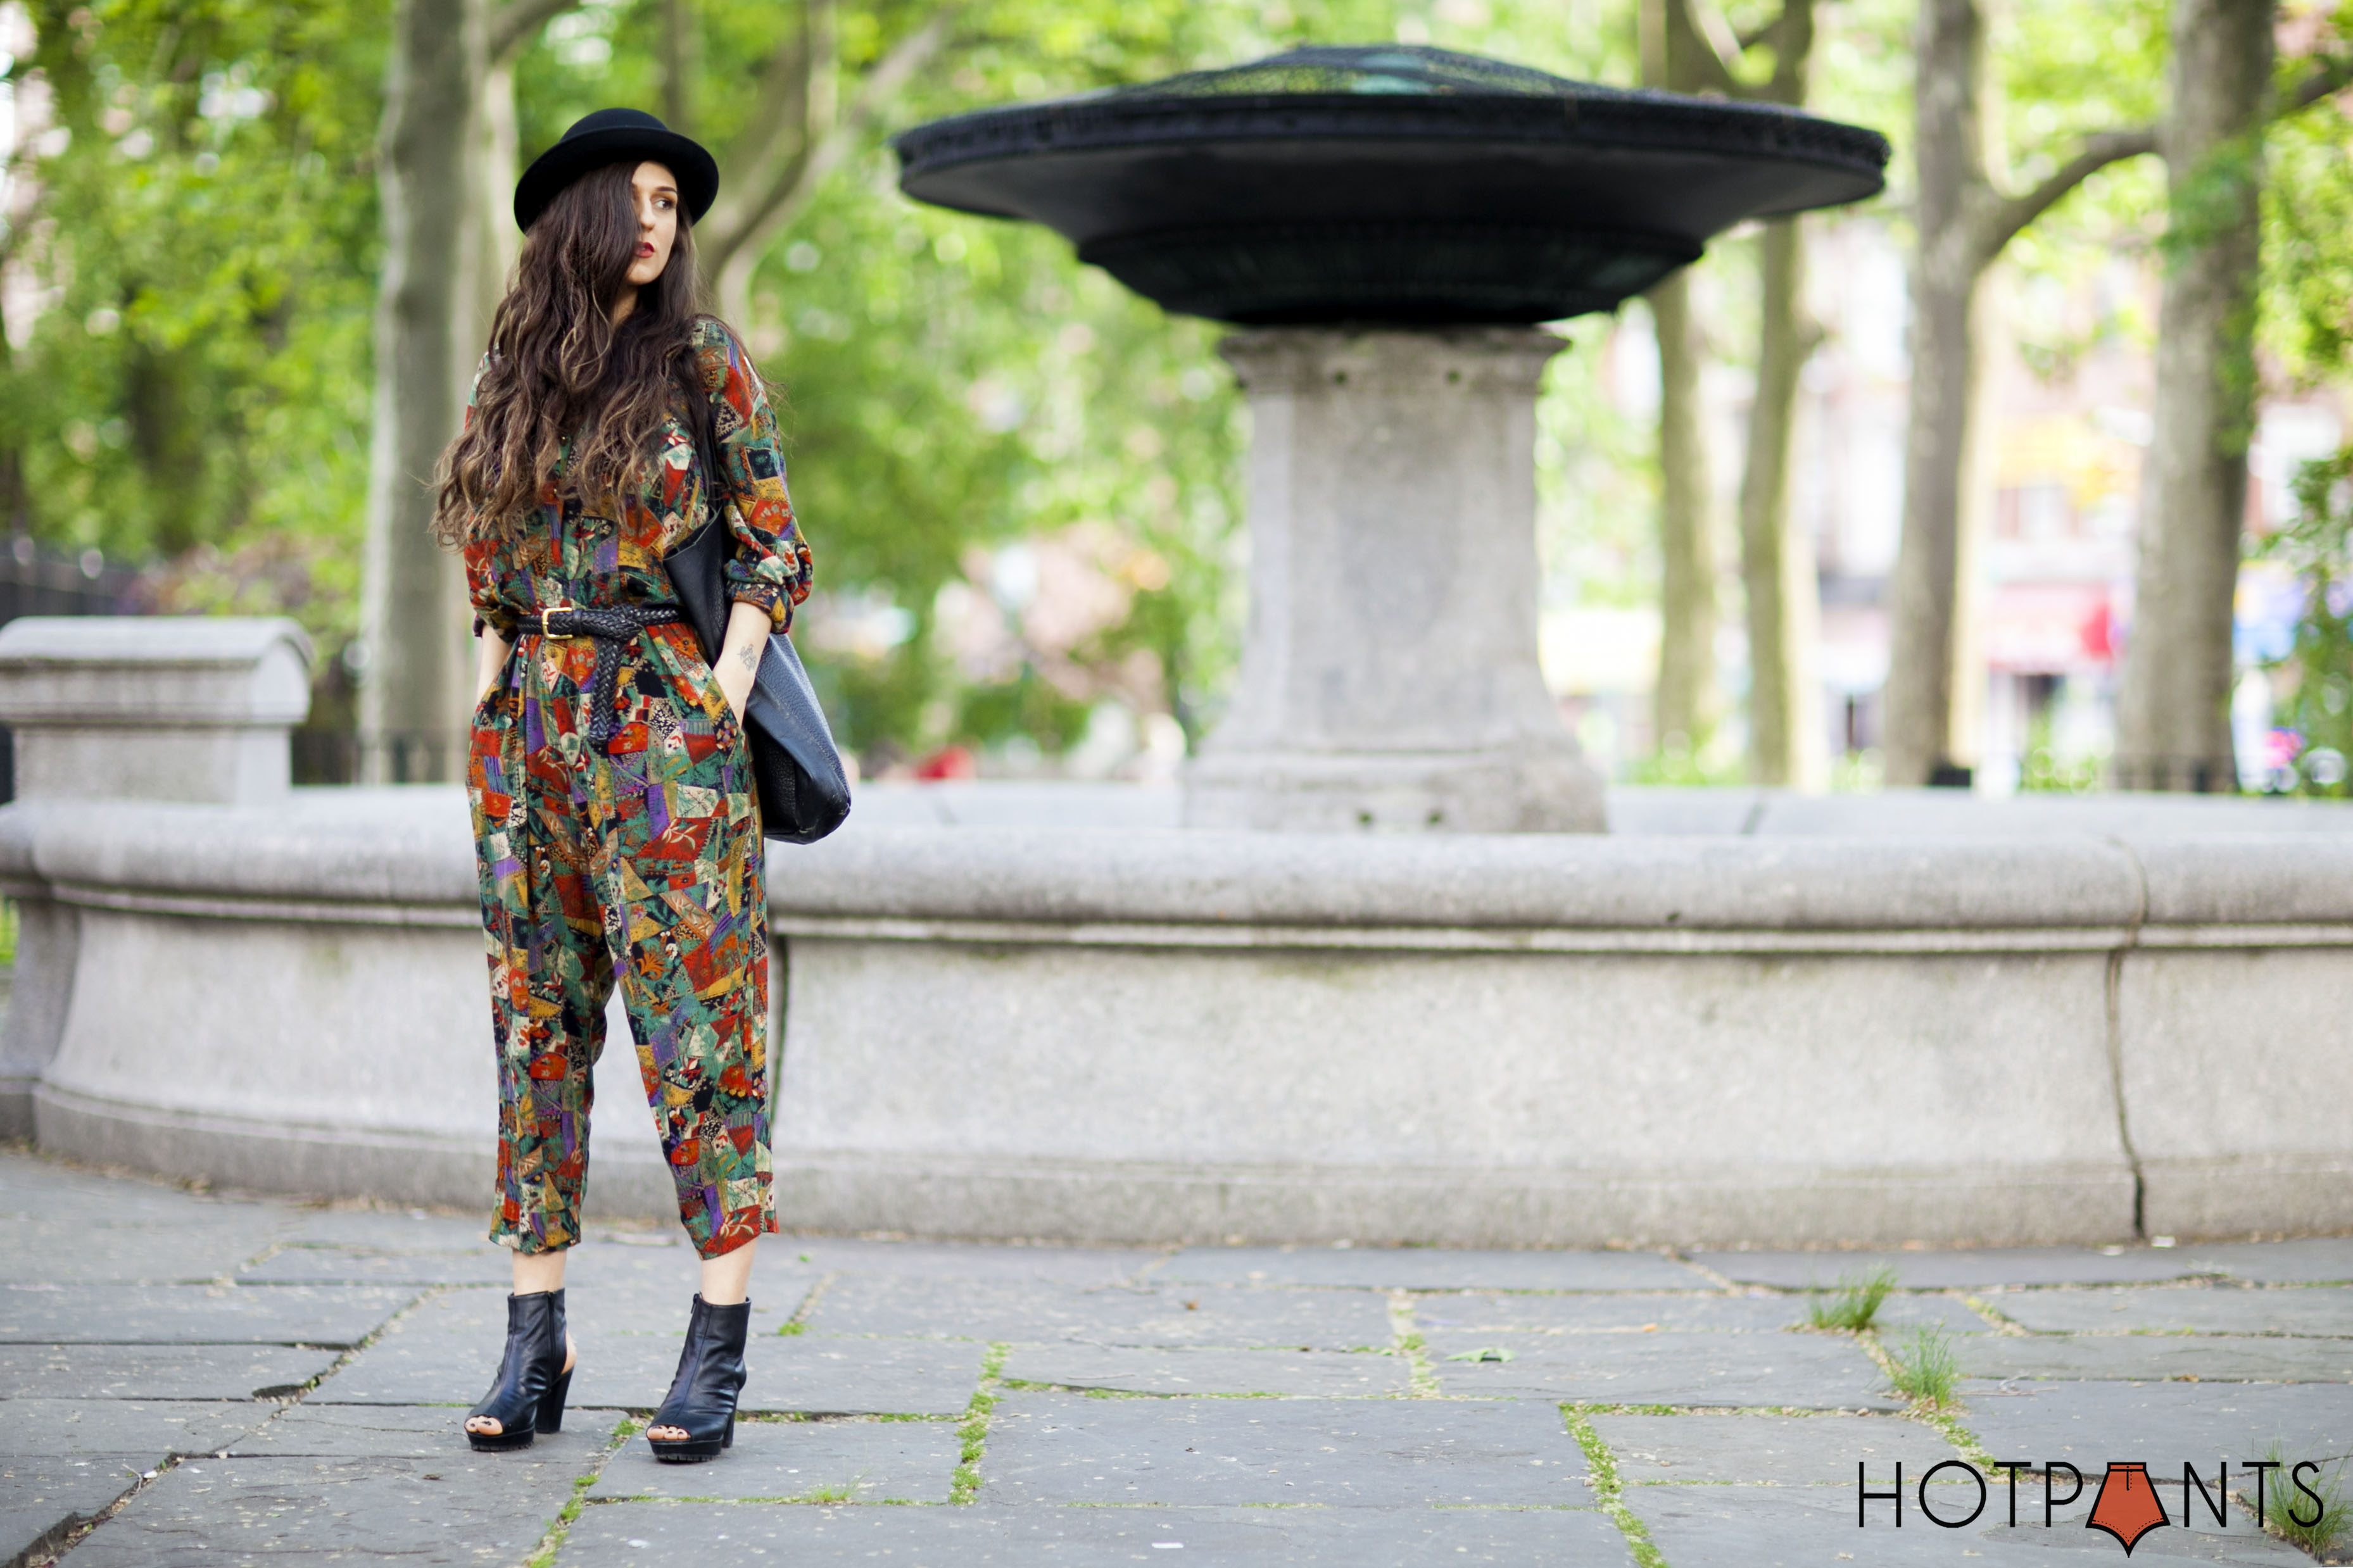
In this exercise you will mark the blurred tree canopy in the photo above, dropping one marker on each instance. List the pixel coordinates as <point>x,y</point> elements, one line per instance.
<point>191,247</point>
<point>189,255</point>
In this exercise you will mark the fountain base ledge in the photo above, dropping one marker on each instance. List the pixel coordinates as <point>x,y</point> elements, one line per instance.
<point>2031,1028</point>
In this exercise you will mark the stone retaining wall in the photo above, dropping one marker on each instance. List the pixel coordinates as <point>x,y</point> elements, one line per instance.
<point>1139,1033</point>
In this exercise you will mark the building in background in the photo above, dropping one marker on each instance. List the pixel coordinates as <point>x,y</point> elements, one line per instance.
<point>2059,499</point>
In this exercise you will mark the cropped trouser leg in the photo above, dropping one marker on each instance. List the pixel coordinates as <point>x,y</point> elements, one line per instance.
<point>636,861</point>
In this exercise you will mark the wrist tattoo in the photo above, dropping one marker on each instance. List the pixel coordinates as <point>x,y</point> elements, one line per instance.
<point>748,656</point>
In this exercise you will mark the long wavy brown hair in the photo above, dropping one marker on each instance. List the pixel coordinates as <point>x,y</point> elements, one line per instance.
<point>559,367</point>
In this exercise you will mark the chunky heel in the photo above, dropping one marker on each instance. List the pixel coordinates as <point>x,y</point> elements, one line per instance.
<point>528,1396</point>
<point>701,1401</point>
<point>551,1408</point>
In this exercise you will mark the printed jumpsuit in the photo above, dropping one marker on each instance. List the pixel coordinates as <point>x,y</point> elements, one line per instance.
<point>640,859</point>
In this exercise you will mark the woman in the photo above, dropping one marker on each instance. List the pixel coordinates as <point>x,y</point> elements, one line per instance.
<point>617,830</point>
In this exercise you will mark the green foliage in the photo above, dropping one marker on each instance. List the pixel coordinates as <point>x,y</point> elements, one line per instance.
<point>2308,244</point>
<point>1855,1305</point>
<point>1924,1368</point>
<point>203,219</point>
<point>2294,1517</point>
<point>2317,546</point>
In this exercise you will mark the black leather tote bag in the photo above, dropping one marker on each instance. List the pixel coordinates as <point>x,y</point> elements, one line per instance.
<point>803,791</point>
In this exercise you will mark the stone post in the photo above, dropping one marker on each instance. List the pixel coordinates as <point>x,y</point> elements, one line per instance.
<point>151,707</point>
<point>126,708</point>
<point>1390,677</point>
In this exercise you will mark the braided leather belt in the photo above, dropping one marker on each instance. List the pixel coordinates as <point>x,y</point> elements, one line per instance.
<point>613,629</point>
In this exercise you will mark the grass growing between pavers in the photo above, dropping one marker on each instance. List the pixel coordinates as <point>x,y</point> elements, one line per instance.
<point>1943,1414</point>
<point>1925,1370</point>
<point>1405,1340</point>
<point>973,1432</point>
<point>544,1556</point>
<point>797,1323</point>
<point>1854,1306</point>
<point>1609,1491</point>
<point>2314,1518</point>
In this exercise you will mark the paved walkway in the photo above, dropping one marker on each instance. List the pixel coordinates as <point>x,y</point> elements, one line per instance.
<point>219,1381</point>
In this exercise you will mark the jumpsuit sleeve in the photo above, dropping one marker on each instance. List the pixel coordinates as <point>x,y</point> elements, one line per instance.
<point>771,566</point>
<point>481,554</point>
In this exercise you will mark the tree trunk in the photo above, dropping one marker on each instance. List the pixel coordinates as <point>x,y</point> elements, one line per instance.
<point>495,244</point>
<point>1684,703</point>
<point>1786,741</point>
<point>2173,719</point>
<point>678,63</point>
<point>415,697</point>
<point>1964,224</point>
<point>1949,151</point>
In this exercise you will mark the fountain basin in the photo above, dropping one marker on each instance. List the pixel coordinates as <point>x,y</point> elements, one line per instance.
<point>1941,1020</point>
<point>1392,183</point>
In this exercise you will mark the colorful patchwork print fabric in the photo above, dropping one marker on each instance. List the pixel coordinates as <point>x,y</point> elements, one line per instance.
<point>606,551</point>
<point>641,863</point>
<point>638,862</point>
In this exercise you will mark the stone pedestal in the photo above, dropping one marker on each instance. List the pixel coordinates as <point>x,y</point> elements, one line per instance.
<point>153,707</point>
<point>127,707</point>
<point>1390,679</point>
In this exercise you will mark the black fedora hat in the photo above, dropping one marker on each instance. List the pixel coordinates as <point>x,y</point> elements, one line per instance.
<point>616,136</point>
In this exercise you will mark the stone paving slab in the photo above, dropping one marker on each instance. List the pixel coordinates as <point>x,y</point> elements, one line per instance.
<point>1056,1448</point>
<point>157,1372</point>
<point>1324,1374</point>
<point>391,1230</point>
<point>195,1314</point>
<point>152,1427</point>
<point>447,1352</point>
<point>2323,1310</point>
<point>1035,1310</point>
<point>212,1246</point>
<point>2088,1424</point>
<point>1798,1372</point>
<point>834,1461</point>
<point>816,1375</point>
<point>408,1432</point>
<point>1781,1527</point>
<point>1716,1313</point>
<point>1963,1269</point>
<point>40,1498</point>
<point>35,1188</point>
<point>637,1534</point>
<point>622,1371</point>
<point>2211,1358</point>
<point>351,1266</point>
<point>960,1260</point>
<point>2318,1260</point>
<point>1429,1268</point>
<point>1777,1450</point>
<point>466,1509</point>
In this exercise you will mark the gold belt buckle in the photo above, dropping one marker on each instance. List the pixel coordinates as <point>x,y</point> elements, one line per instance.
<point>553,636</point>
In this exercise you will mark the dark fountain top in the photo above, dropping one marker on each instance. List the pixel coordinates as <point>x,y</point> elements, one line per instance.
<point>1388,183</point>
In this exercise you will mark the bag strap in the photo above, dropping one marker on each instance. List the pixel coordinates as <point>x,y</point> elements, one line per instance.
<point>706,439</point>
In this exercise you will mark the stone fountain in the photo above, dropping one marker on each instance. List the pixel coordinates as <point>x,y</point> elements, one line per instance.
<point>1033,1010</point>
<point>1389,222</point>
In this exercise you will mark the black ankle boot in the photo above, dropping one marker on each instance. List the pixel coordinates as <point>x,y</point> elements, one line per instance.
<point>701,1401</point>
<point>528,1397</point>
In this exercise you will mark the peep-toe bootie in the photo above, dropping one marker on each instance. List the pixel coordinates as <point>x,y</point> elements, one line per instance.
<point>534,1375</point>
<point>701,1401</point>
